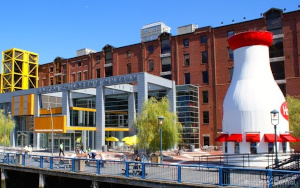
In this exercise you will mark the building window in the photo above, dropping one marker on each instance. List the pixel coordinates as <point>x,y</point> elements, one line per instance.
<point>236,147</point>
<point>51,81</point>
<point>205,97</point>
<point>186,59</point>
<point>206,140</point>
<point>276,49</point>
<point>271,147</point>
<point>186,42</point>
<point>151,65</point>
<point>187,78</point>
<point>226,147</point>
<point>203,39</point>
<point>231,73</point>
<point>64,78</point>
<point>204,57</point>
<point>230,33</point>
<point>51,69</point>
<point>79,76</point>
<point>98,57</point>
<point>230,54</point>
<point>78,63</point>
<point>205,77</point>
<point>284,147</point>
<point>108,71</point>
<point>128,53</point>
<point>58,79</point>
<point>277,68</point>
<point>274,23</point>
<point>128,68</point>
<point>108,55</point>
<point>165,45</point>
<point>206,117</point>
<point>150,49</point>
<point>98,73</point>
<point>168,76</point>
<point>64,66</point>
<point>166,64</point>
<point>253,147</point>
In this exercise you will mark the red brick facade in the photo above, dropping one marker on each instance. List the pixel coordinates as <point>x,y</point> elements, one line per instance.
<point>218,64</point>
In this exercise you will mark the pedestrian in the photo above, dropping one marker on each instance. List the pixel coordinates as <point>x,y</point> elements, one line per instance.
<point>61,149</point>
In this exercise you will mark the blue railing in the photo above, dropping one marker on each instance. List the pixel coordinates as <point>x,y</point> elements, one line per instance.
<point>195,174</point>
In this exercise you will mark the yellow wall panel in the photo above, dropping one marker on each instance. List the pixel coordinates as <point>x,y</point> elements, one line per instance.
<point>44,111</point>
<point>43,124</point>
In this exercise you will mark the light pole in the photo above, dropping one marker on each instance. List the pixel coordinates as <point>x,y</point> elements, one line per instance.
<point>275,122</point>
<point>51,129</point>
<point>8,113</point>
<point>160,124</point>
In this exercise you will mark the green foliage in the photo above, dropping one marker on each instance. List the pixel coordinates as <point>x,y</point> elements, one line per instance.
<point>6,123</point>
<point>148,129</point>
<point>294,115</point>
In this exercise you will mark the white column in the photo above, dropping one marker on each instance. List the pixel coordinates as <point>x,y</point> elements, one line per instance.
<point>100,117</point>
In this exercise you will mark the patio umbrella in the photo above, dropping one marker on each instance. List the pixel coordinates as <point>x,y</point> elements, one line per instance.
<point>125,138</point>
<point>132,140</point>
<point>112,139</point>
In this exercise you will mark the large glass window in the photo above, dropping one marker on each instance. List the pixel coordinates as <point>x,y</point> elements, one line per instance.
<point>166,64</point>
<point>108,71</point>
<point>276,49</point>
<point>278,70</point>
<point>274,23</point>
<point>108,55</point>
<point>165,45</point>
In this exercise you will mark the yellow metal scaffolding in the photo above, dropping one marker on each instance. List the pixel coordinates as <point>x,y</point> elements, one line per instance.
<point>19,70</point>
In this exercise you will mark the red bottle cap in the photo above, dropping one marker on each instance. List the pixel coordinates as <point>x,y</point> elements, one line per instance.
<point>250,38</point>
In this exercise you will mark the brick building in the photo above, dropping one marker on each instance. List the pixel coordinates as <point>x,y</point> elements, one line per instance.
<point>197,56</point>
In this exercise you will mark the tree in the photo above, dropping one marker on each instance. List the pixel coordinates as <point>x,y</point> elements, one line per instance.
<point>294,114</point>
<point>6,123</point>
<point>147,126</point>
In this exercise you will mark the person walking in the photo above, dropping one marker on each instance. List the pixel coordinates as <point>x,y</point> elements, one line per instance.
<point>61,149</point>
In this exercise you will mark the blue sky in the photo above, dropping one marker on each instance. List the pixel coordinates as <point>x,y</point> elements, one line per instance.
<point>54,28</point>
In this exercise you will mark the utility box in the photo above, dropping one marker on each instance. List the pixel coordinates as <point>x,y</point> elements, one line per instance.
<point>79,165</point>
<point>19,159</point>
<point>155,159</point>
<point>186,29</point>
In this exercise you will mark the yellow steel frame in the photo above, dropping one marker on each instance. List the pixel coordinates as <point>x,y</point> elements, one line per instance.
<point>19,70</point>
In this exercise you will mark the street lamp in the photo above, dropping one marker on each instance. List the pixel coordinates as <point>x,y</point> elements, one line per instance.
<point>51,129</point>
<point>275,122</point>
<point>8,113</point>
<point>160,124</point>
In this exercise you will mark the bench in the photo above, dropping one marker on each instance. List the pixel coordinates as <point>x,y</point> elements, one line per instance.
<point>66,163</point>
<point>134,169</point>
<point>94,163</point>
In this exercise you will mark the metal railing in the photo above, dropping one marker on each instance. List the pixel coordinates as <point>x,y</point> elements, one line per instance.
<point>192,174</point>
